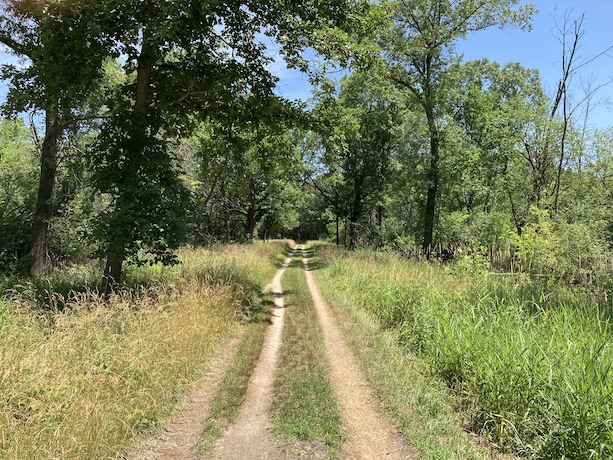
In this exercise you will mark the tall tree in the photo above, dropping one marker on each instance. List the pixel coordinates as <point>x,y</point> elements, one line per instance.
<point>419,49</point>
<point>496,109</point>
<point>186,59</point>
<point>361,128</point>
<point>63,48</point>
<point>244,170</point>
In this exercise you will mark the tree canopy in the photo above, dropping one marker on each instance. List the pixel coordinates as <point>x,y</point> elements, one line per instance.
<point>163,126</point>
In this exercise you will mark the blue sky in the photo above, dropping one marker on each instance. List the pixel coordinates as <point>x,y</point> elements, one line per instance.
<point>537,49</point>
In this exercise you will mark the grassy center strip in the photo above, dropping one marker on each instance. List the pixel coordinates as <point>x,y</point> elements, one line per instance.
<point>304,412</point>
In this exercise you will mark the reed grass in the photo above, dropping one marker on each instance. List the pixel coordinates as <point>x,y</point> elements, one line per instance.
<point>530,363</point>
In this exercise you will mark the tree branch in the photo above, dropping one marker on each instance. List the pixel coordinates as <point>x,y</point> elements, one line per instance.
<point>18,48</point>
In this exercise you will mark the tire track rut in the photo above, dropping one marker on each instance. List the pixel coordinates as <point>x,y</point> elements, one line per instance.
<point>180,435</point>
<point>371,433</point>
<point>250,436</point>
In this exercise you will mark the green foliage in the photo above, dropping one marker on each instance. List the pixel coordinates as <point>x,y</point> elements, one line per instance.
<point>530,363</point>
<point>145,220</point>
<point>64,49</point>
<point>359,129</point>
<point>204,62</point>
<point>18,181</point>
<point>463,228</point>
<point>246,176</point>
<point>570,251</point>
<point>70,239</point>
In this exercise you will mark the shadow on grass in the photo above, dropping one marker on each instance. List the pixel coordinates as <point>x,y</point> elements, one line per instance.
<point>75,284</point>
<point>48,294</point>
<point>314,262</point>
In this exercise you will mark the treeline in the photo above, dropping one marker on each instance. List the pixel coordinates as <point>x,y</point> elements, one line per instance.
<point>120,87</point>
<point>161,127</point>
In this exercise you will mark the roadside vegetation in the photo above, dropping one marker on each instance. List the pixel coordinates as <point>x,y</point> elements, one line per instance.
<point>233,388</point>
<point>528,362</point>
<point>304,412</point>
<point>130,130</point>
<point>83,380</point>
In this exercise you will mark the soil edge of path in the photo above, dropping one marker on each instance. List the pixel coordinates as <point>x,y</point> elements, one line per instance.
<point>250,435</point>
<point>179,436</point>
<point>371,433</point>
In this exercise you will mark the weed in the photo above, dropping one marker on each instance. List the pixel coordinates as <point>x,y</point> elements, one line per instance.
<point>233,387</point>
<point>304,409</point>
<point>84,379</point>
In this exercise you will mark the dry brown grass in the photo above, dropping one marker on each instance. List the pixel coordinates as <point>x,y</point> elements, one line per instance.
<point>84,382</point>
<point>84,385</point>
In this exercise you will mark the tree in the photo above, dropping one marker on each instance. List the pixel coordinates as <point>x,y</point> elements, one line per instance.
<point>186,59</point>
<point>18,168</point>
<point>360,130</point>
<point>244,171</point>
<point>570,33</point>
<point>419,50</point>
<point>63,47</point>
<point>496,109</point>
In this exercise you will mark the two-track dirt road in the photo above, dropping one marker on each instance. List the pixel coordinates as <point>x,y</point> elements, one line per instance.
<point>371,433</point>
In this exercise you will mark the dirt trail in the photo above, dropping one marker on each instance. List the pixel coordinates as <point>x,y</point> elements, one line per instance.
<point>371,434</point>
<point>179,437</point>
<point>249,437</point>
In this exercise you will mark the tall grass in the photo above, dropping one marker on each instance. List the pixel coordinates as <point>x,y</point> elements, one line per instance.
<point>531,365</point>
<point>81,381</point>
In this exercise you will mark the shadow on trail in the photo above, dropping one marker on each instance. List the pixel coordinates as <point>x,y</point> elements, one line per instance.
<point>314,262</point>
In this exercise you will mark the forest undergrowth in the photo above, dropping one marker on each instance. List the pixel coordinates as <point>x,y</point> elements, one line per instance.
<point>530,362</point>
<point>82,377</point>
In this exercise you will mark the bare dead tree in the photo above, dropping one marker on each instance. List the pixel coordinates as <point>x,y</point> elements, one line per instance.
<point>569,34</point>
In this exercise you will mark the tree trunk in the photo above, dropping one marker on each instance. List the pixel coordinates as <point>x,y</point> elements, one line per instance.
<point>565,120</point>
<point>356,213</point>
<point>251,216</point>
<point>352,232</point>
<point>337,230</point>
<point>433,183</point>
<point>250,222</point>
<point>226,210</point>
<point>115,255</point>
<point>112,272</point>
<point>410,215</point>
<point>43,212</point>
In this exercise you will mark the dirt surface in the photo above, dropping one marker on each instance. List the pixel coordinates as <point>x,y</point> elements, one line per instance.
<point>249,437</point>
<point>370,433</point>
<point>180,435</point>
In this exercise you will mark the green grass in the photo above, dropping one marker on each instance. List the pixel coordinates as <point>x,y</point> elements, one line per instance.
<point>233,387</point>
<point>421,404</point>
<point>304,412</point>
<point>530,366</point>
<point>82,377</point>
